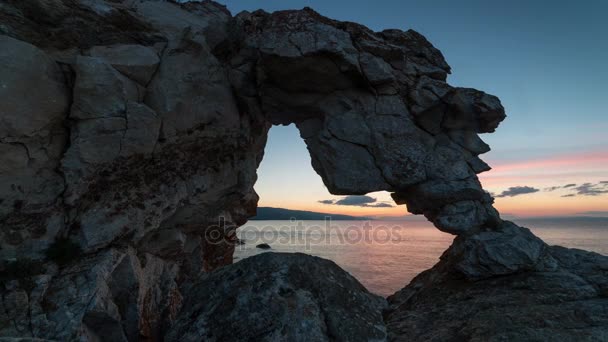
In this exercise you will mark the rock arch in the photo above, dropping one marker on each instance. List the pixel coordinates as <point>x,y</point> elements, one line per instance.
<point>377,114</point>
<point>373,116</point>
<point>132,141</point>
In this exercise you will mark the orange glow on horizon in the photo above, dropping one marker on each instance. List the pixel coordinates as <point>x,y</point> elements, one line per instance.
<point>540,173</point>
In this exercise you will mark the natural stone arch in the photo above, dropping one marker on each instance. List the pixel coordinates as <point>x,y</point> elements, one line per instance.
<point>154,132</point>
<point>377,114</point>
<point>179,126</point>
<point>374,115</point>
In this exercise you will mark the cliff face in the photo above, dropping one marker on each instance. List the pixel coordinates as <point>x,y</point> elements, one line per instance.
<point>130,134</point>
<point>123,143</point>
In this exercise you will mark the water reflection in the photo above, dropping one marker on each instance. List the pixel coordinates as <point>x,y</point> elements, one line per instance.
<point>385,255</point>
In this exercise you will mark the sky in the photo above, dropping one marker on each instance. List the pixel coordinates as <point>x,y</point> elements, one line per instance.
<point>545,60</point>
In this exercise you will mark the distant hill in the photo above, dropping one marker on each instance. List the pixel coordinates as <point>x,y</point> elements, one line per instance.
<point>268,213</point>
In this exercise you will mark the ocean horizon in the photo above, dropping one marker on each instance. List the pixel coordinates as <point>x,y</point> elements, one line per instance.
<point>386,255</point>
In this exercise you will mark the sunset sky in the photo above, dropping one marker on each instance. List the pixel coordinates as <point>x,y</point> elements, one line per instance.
<point>545,60</point>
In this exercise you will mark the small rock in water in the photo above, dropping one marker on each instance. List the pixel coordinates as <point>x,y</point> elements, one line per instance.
<point>263,246</point>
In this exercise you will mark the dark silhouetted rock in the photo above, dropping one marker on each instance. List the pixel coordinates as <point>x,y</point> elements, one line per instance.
<point>279,301</point>
<point>563,300</point>
<point>133,130</point>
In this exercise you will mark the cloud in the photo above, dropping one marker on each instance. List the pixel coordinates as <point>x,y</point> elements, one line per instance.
<point>355,200</point>
<point>518,190</point>
<point>585,189</point>
<point>590,189</point>
<point>358,201</point>
<point>379,205</point>
<point>553,188</point>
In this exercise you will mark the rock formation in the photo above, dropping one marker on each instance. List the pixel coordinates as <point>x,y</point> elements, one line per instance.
<point>279,301</point>
<point>130,134</point>
<point>565,302</point>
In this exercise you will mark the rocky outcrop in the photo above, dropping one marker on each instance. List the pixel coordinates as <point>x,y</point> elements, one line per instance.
<point>126,165</point>
<point>130,135</point>
<point>379,97</point>
<point>111,296</point>
<point>279,301</point>
<point>139,112</point>
<point>564,301</point>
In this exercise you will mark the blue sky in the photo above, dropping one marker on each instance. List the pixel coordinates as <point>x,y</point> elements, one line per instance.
<point>545,60</point>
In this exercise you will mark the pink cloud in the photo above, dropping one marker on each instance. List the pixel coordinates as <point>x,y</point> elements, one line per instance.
<point>560,169</point>
<point>579,160</point>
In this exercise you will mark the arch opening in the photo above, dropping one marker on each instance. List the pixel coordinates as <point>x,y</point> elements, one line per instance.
<point>367,235</point>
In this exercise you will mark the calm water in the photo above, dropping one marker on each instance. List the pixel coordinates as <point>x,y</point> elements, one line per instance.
<point>386,255</point>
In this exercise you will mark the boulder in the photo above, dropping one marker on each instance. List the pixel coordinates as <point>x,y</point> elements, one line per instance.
<point>271,297</point>
<point>563,302</point>
<point>506,250</point>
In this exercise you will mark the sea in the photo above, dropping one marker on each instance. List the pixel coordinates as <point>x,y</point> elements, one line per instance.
<point>386,255</point>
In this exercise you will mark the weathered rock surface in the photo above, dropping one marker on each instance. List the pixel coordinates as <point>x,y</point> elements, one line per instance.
<point>565,299</point>
<point>135,61</point>
<point>128,147</point>
<point>114,295</point>
<point>368,95</point>
<point>130,135</point>
<point>205,76</point>
<point>279,301</point>
<point>35,99</point>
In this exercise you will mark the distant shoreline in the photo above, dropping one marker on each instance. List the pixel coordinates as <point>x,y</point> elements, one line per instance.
<point>283,214</point>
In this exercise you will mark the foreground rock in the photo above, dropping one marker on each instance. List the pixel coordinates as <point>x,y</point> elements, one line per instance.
<point>565,299</point>
<point>272,297</point>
